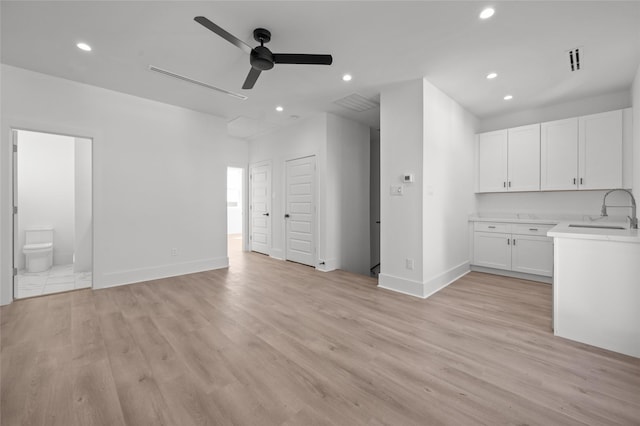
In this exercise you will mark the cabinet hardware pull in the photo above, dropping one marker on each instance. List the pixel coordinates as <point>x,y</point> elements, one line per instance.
<point>580,181</point>
<point>574,181</point>
<point>514,241</point>
<point>509,184</point>
<point>533,229</point>
<point>492,227</point>
<point>508,241</point>
<point>504,184</point>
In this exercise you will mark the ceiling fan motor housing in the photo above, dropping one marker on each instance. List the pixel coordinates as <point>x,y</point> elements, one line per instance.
<point>261,58</point>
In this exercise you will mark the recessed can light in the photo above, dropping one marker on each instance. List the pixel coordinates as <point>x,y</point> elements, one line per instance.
<point>508,98</point>
<point>84,46</point>
<point>487,13</point>
<point>491,75</point>
<point>279,108</point>
<point>346,77</point>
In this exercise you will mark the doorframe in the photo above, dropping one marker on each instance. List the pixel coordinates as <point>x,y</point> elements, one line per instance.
<point>26,126</point>
<point>245,201</point>
<point>250,203</point>
<point>316,225</point>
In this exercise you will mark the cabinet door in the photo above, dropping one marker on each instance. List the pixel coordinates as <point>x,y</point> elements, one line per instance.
<point>532,255</point>
<point>600,148</point>
<point>492,161</point>
<point>559,154</point>
<point>492,250</point>
<point>524,158</point>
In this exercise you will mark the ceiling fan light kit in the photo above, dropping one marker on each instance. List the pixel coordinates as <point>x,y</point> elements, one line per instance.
<point>260,57</point>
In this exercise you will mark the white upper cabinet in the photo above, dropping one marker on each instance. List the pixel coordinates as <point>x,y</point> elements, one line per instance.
<point>600,151</point>
<point>509,160</point>
<point>559,154</point>
<point>582,152</point>
<point>524,158</point>
<point>492,161</point>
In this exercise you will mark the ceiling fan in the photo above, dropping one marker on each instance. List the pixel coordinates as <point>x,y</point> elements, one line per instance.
<point>261,58</point>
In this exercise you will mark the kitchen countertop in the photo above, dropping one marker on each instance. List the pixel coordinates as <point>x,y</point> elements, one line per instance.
<point>515,219</point>
<point>562,230</point>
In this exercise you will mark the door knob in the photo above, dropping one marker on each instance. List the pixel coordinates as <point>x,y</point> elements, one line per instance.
<point>265,214</point>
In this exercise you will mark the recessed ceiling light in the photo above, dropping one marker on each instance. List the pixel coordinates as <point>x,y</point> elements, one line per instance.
<point>279,108</point>
<point>508,98</point>
<point>487,13</point>
<point>84,46</point>
<point>491,75</point>
<point>346,77</point>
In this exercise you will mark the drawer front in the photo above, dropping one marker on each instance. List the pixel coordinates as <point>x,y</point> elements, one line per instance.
<point>530,229</point>
<point>503,228</point>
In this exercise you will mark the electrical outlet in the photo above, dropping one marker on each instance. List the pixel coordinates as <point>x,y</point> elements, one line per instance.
<point>409,263</point>
<point>174,251</point>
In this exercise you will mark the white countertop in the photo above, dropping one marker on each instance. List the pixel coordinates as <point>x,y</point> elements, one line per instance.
<point>563,230</point>
<point>516,218</point>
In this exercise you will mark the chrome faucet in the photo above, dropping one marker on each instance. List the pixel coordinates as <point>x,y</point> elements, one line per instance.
<point>633,219</point>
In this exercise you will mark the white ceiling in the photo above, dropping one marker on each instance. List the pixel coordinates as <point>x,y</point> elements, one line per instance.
<point>378,42</point>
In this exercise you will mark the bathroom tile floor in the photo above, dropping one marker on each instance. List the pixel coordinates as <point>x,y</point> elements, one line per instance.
<point>58,278</point>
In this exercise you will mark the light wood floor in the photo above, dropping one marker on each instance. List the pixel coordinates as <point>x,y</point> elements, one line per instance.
<point>268,342</point>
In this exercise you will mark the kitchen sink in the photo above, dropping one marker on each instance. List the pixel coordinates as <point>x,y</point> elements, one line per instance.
<point>598,226</point>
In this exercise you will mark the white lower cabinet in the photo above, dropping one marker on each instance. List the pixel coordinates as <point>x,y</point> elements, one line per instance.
<point>518,247</point>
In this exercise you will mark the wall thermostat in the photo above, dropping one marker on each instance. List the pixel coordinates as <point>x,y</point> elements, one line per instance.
<point>407,178</point>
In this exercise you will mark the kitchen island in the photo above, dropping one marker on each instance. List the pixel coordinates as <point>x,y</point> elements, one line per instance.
<point>596,285</point>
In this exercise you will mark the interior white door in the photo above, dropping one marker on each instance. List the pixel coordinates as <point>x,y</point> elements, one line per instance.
<point>260,206</point>
<point>16,238</point>
<point>300,214</point>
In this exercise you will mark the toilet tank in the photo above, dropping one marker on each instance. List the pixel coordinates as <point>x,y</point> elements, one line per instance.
<point>38,235</point>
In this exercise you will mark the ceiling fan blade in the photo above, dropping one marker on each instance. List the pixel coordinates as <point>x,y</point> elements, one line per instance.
<point>301,58</point>
<point>251,78</point>
<point>223,33</point>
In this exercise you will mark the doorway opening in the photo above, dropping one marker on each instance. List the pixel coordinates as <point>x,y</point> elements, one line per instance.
<point>235,210</point>
<point>52,221</point>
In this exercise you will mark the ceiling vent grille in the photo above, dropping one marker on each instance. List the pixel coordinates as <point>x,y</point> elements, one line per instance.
<point>196,82</point>
<point>357,103</point>
<point>574,59</point>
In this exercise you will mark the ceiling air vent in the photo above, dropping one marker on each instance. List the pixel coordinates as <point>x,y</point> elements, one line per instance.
<point>574,59</point>
<point>357,103</point>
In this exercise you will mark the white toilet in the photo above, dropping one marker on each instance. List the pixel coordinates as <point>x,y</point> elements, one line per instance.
<point>38,249</point>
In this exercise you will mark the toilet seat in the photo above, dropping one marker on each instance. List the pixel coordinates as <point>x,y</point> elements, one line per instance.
<point>35,248</point>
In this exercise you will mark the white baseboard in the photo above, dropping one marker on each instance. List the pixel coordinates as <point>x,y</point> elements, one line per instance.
<point>328,266</point>
<point>513,274</point>
<point>423,289</point>
<point>439,282</point>
<point>118,278</point>
<point>401,285</point>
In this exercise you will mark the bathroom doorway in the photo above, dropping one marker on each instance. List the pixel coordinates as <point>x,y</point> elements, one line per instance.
<point>53,232</point>
<point>235,211</point>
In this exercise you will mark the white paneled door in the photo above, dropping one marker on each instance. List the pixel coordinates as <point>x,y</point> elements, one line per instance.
<point>300,212</point>
<point>260,232</point>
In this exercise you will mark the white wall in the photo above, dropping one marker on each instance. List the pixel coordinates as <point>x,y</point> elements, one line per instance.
<point>348,145</point>
<point>449,158</point>
<point>635,100</point>
<point>401,145</point>
<point>308,137</point>
<point>159,176</point>
<point>46,191</point>
<point>585,106</point>
<point>83,221</point>
<point>234,195</point>
<point>341,147</point>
